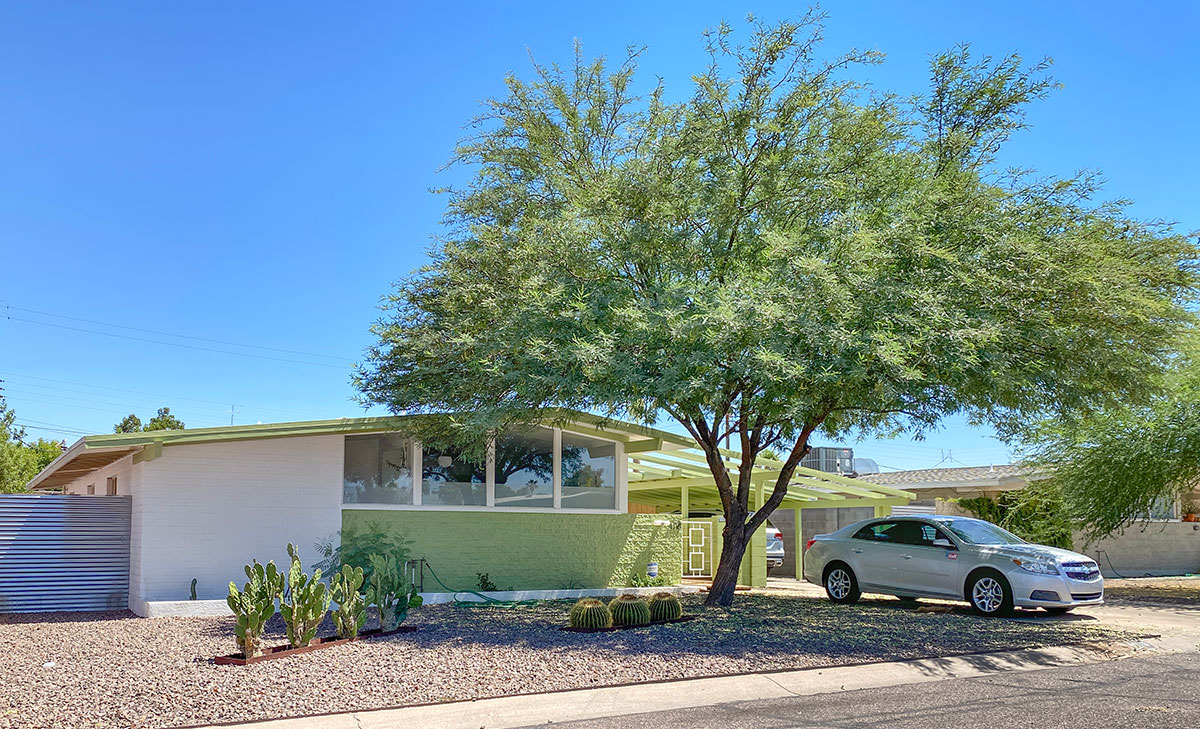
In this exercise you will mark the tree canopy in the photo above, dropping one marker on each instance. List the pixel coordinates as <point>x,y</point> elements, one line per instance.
<point>1115,467</point>
<point>21,461</point>
<point>783,252</point>
<point>164,420</point>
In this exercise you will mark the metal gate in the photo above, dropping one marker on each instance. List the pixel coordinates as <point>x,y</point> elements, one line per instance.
<point>60,552</point>
<point>698,547</point>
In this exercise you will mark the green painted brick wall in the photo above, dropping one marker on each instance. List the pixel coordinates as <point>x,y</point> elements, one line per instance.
<point>534,551</point>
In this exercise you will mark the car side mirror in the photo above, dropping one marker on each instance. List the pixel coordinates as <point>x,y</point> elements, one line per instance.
<point>945,543</point>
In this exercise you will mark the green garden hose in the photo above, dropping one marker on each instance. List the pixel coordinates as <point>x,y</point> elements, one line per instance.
<point>484,600</point>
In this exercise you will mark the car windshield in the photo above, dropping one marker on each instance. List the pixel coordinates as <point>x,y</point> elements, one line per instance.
<point>980,532</point>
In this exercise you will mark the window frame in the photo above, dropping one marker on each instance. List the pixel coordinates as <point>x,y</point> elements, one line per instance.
<point>622,483</point>
<point>110,486</point>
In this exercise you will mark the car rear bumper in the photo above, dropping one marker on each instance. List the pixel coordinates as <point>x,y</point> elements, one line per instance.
<point>1031,590</point>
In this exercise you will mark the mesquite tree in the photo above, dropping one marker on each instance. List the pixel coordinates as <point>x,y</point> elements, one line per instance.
<point>784,252</point>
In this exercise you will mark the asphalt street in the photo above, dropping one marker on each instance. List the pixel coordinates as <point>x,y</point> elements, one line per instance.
<point>1159,691</point>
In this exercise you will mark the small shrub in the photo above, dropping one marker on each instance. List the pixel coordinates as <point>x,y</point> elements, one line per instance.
<point>639,579</point>
<point>485,583</point>
<point>351,612</point>
<point>629,610</point>
<point>590,613</point>
<point>665,606</point>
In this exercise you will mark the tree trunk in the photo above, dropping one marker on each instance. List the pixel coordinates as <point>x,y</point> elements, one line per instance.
<point>733,548</point>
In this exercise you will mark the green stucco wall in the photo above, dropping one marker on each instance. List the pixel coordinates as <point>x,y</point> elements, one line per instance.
<point>534,551</point>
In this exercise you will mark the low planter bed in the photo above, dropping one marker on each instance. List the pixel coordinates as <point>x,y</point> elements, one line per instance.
<point>283,651</point>
<point>569,629</point>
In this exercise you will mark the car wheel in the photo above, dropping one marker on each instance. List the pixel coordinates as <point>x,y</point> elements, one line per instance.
<point>841,585</point>
<point>1058,610</point>
<point>990,594</point>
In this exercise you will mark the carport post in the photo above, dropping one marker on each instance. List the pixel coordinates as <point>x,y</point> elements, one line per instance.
<point>684,506</point>
<point>797,515</point>
<point>881,511</point>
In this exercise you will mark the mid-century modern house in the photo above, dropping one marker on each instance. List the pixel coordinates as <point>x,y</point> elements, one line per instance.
<point>1162,543</point>
<point>578,503</point>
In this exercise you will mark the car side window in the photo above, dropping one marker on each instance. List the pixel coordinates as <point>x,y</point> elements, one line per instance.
<point>884,531</point>
<point>918,534</point>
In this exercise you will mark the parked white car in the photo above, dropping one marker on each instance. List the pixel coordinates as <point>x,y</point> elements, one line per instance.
<point>950,557</point>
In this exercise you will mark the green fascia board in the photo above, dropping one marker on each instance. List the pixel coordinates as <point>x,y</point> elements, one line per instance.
<point>604,427</point>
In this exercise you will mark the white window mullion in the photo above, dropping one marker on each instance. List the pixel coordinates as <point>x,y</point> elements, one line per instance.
<point>621,468</point>
<point>557,468</point>
<point>416,472</point>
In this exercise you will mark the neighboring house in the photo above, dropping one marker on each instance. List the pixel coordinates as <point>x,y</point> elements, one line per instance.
<point>1162,545</point>
<point>582,502</point>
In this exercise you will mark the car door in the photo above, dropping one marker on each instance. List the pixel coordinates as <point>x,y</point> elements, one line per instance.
<point>875,555</point>
<point>923,567</point>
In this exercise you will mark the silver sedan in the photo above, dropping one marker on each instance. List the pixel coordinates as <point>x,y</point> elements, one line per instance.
<point>950,557</point>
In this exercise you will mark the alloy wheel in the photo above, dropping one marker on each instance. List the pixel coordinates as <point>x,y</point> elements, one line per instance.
<point>988,594</point>
<point>838,584</point>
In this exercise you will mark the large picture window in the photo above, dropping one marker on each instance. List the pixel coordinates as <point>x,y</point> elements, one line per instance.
<point>447,479</point>
<point>589,472</point>
<point>378,470</point>
<point>525,468</point>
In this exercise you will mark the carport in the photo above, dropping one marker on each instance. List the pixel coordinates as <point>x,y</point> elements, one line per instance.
<point>678,480</point>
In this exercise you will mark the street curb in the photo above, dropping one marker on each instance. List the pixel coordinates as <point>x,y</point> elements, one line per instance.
<point>509,712</point>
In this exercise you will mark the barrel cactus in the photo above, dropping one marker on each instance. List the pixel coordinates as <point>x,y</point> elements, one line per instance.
<point>629,610</point>
<point>591,613</point>
<point>665,606</point>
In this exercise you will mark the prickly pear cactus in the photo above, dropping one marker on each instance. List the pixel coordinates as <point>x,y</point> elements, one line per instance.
<point>351,613</point>
<point>590,613</point>
<point>304,606</point>
<point>665,606</point>
<point>629,610</point>
<point>254,605</point>
<point>391,591</point>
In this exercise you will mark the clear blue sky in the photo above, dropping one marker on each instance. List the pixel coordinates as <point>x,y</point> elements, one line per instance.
<point>258,173</point>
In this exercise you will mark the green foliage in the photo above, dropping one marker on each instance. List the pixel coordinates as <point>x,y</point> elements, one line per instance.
<point>641,579</point>
<point>629,610</point>
<point>354,546</point>
<point>590,613</point>
<point>304,605</point>
<point>1114,468</point>
<point>163,420</point>
<point>351,613</point>
<point>665,606</point>
<point>1036,513</point>
<point>391,590</point>
<point>782,249</point>
<point>21,461</point>
<point>254,605</point>
<point>485,582</point>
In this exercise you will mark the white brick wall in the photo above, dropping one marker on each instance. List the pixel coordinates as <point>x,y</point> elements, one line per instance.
<point>205,510</point>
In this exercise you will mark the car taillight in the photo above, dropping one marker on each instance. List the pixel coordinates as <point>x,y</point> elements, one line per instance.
<point>808,544</point>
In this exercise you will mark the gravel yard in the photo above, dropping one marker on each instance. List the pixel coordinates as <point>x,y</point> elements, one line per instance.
<point>1178,590</point>
<point>116,670</point>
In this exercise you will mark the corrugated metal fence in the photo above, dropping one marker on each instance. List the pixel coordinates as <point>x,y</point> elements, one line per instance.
<point>62,552</point>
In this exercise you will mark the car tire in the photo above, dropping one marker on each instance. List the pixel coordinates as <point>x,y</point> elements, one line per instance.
<point>990,594</point>
<point>840,584</point>
<point>1058,610</point>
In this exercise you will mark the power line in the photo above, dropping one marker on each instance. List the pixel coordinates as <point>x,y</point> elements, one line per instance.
<point>173,344</point>
<point>174,334</point>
